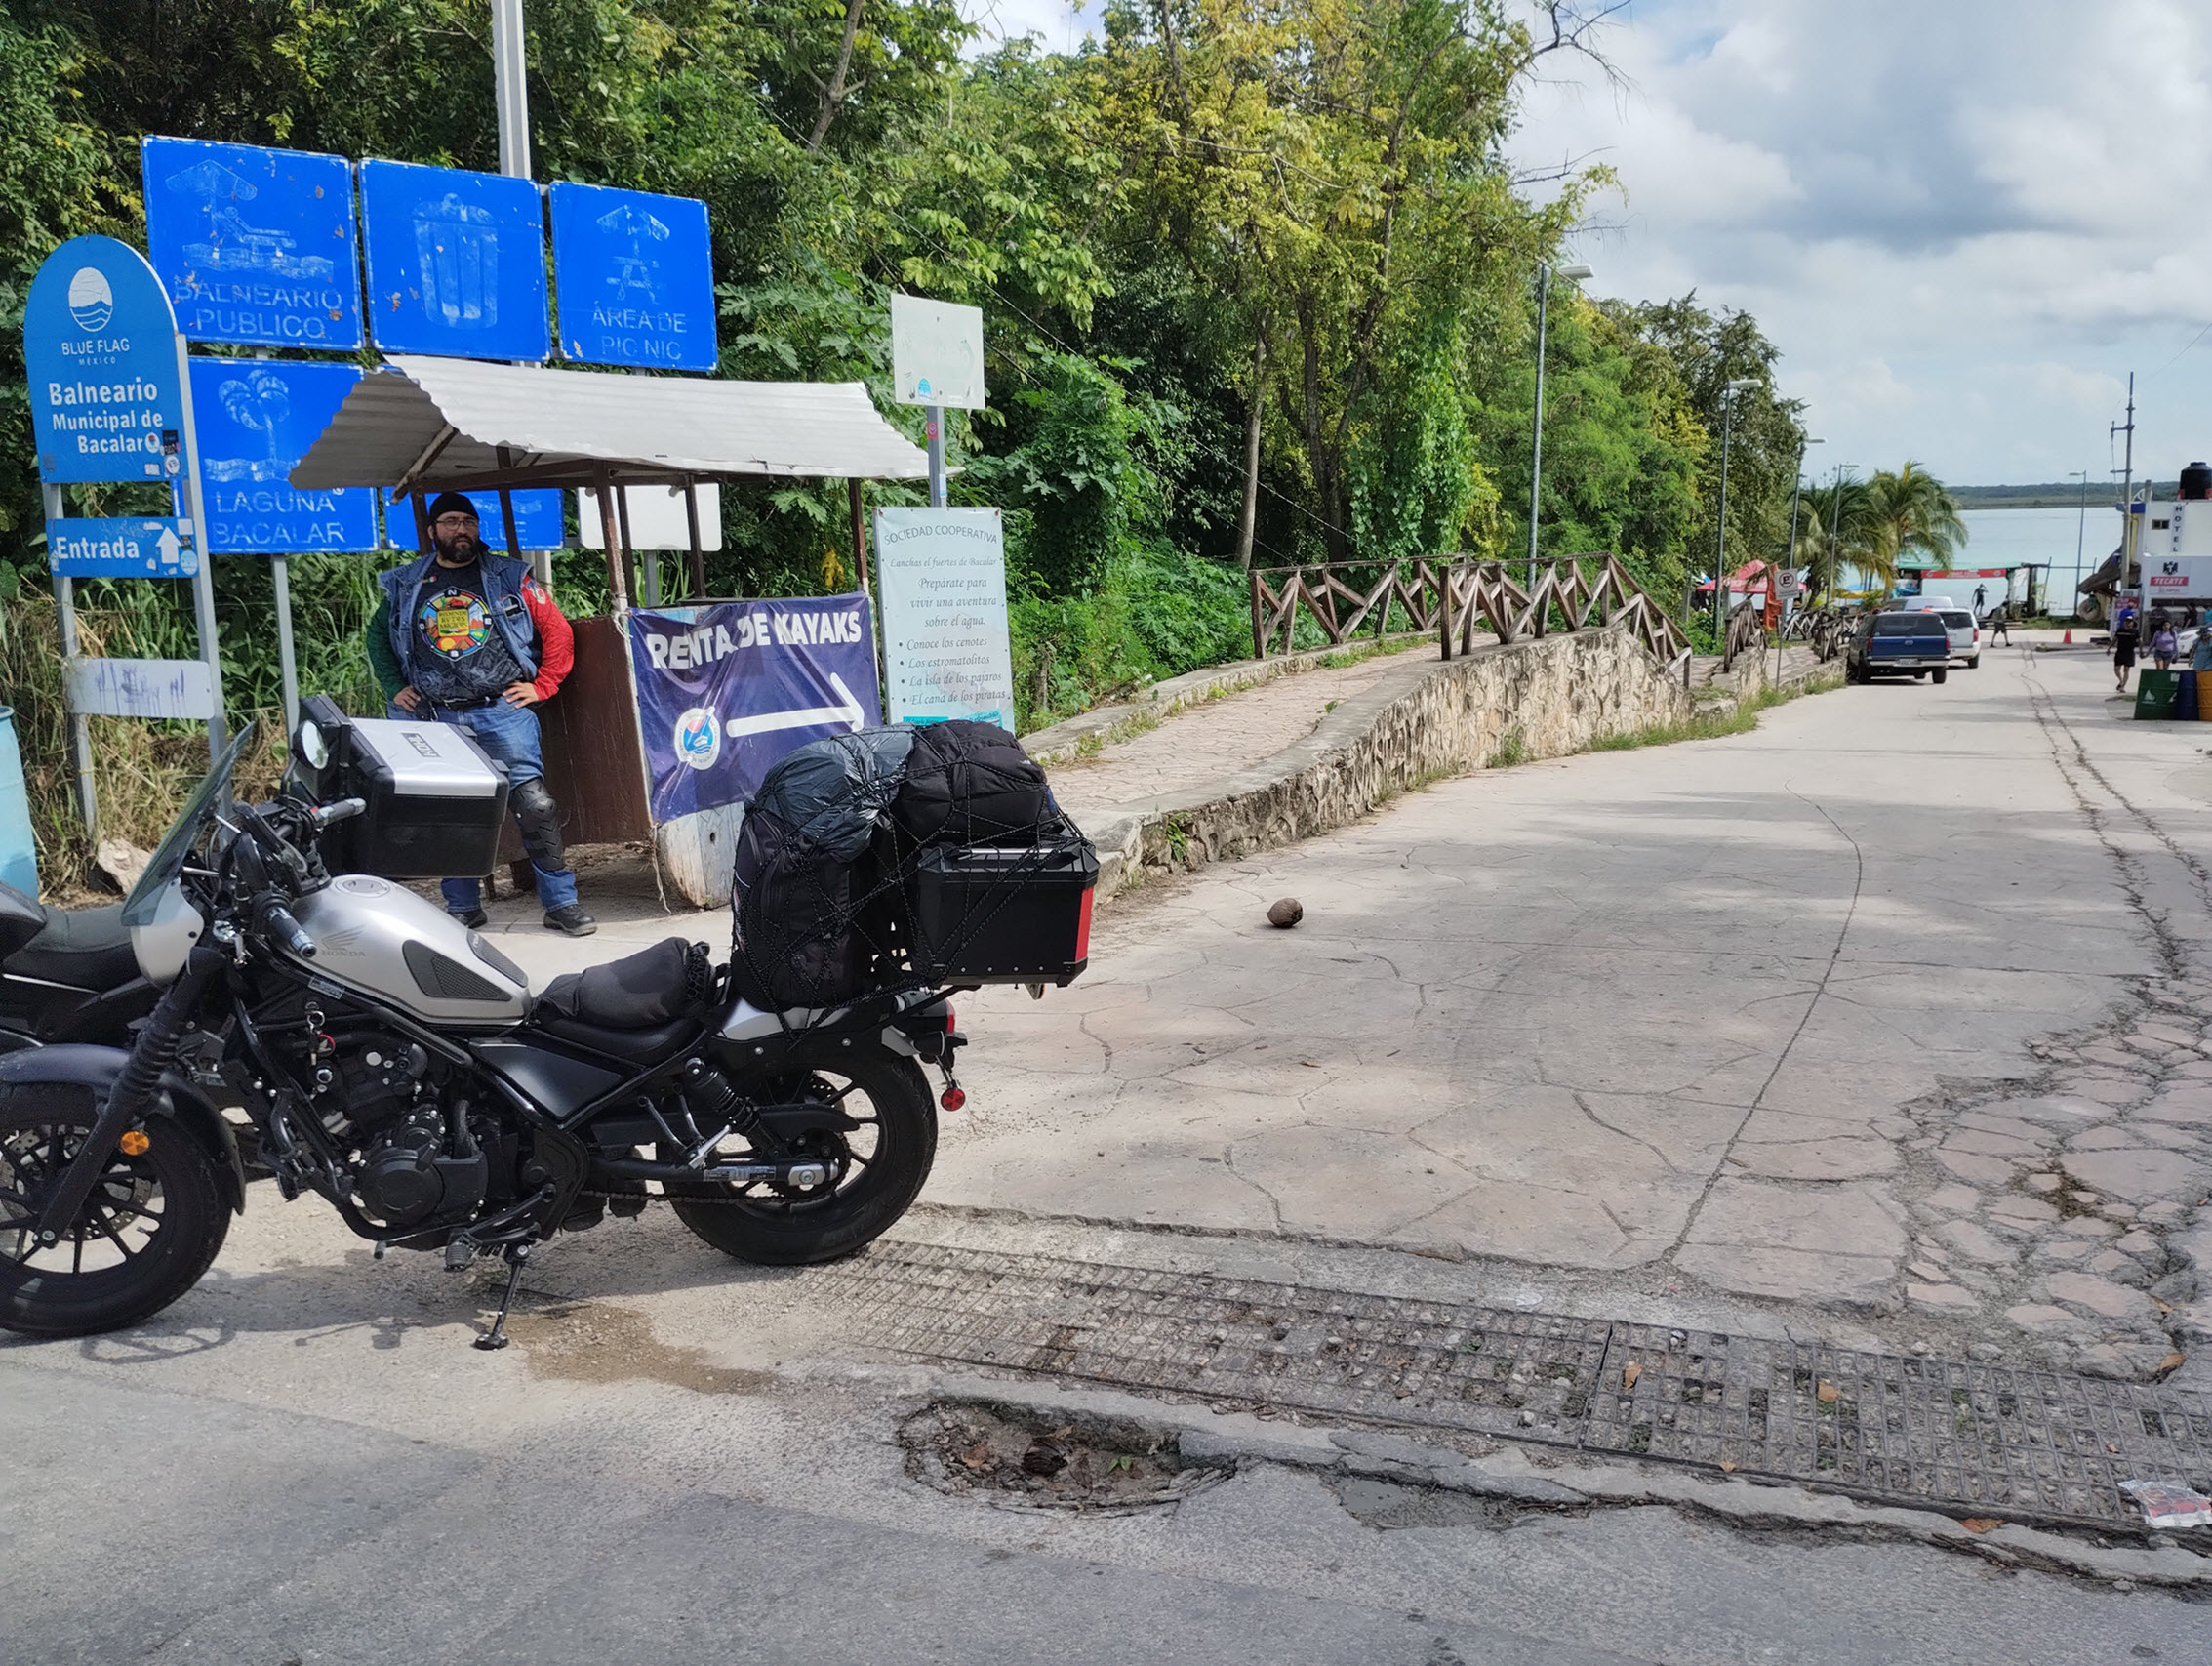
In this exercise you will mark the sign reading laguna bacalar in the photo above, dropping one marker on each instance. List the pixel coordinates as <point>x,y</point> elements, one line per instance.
<point>100,345</point>
<point>256,418</point>
<point>723,691</point>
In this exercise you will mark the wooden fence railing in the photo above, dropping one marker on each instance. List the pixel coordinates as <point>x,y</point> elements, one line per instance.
<point>1747,634</point>
<point>1456,598</point>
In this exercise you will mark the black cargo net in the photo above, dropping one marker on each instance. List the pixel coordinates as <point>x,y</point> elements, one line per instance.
<point>902,858</point>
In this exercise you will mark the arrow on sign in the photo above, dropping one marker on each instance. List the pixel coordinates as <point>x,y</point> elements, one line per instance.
<point>167,546</point>
<point>849,715</point>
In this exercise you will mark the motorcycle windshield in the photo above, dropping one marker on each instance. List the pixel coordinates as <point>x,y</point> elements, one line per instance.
<point>167,860</point>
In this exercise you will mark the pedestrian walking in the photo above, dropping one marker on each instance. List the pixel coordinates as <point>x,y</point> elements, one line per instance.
<point>1999,623</point>
<point>2125,639</point>
<point>471,638</point>
<point>2165,646</point>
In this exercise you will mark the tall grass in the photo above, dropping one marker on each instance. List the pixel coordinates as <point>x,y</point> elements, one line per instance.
<point>141,770</point>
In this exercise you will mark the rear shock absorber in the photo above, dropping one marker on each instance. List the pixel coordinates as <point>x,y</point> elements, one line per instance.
<point>713,1103</point>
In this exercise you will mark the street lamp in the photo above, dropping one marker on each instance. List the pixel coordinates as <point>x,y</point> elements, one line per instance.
<point>1835,529</point>
<point>1721,547</point>
<point>1544,275</point>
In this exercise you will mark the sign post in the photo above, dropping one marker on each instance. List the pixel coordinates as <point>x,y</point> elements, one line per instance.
<point>109,402</point>
<point>937,359</point>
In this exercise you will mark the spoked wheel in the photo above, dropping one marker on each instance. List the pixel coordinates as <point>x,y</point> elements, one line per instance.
<point>154,1222</point>
<point>872,1172</point>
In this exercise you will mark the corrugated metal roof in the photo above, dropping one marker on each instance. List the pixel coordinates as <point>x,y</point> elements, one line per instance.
<point>689,426</point>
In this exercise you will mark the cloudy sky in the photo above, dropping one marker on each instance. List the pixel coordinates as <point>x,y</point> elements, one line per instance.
<point>1962,222</point>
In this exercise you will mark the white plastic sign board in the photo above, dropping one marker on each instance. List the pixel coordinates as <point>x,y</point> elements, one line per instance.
<point>941,580</point>
<point>656,517</point>
<point>937,352</point>
<point>140,688</point>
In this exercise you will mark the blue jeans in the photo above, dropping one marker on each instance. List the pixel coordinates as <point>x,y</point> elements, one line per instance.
<point>509,734</point>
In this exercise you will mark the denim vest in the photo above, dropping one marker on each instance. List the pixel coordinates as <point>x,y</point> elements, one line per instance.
<point>503,577</point>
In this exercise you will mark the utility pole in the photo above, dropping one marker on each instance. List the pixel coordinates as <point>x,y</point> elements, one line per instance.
<point>1721,541</point>
<point>1774,579</point>
<point>1835,530</point>
<point>1536,439</point>
<point>2128,516</point>
<point>511,99</point>
<point>2080,538</point>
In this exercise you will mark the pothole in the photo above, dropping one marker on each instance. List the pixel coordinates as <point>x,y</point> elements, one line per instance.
<point>983,1450</point>
<point>1388,1504</point>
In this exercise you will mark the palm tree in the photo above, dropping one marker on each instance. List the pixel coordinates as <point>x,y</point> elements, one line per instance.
<point>1911,514</point>
<point>1839,533</point>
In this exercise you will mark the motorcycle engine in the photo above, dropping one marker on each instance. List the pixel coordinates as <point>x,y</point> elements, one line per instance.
<point>416,1161</point>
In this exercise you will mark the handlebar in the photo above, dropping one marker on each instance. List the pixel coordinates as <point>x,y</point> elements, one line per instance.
<point>278,924</point>
<point>330,815</point>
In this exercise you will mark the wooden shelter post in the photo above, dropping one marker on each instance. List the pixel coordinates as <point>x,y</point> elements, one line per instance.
<point>859,532</point>
<point>610,530</point>
<point>698,555</point>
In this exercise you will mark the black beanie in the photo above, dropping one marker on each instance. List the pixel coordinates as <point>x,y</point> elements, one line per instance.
<point>450,503</point>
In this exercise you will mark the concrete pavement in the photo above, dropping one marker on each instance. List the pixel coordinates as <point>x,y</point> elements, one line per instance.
<point>1785,1030</point>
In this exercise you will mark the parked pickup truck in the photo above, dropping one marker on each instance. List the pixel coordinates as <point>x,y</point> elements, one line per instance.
<point>1899,644</point>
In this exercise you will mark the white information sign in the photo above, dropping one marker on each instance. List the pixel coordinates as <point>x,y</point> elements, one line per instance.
<point>140,688</point>
<point>658,519</point>
<point>937,352</point>
<point>941,580</point>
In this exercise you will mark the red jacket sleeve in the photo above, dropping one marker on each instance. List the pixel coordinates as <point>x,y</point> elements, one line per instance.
<point>556,641</point>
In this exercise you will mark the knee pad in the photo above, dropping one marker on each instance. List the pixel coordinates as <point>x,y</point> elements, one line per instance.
<point>540,820</point>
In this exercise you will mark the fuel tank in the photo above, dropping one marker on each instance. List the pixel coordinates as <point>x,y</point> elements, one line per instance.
<point>387,942</point>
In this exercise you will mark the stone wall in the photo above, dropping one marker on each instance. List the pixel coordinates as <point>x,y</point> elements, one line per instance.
<point>1541,698</point>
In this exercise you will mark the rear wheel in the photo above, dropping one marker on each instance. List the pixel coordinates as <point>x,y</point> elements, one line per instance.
<point>875,1170</point>
<point>152,1225</point>
<point>1938,677</point>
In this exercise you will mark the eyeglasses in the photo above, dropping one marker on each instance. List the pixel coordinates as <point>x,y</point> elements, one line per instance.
<point>456,521</point>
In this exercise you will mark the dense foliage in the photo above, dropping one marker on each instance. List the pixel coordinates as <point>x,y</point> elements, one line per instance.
<point>1257,281</point>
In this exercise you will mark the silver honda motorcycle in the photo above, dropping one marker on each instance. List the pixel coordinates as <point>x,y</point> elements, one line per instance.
<point>398,1065</point>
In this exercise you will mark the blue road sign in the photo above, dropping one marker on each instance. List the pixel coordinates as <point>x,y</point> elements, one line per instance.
<point>100,346</point>
<point>536,519</point>
<point>256,419</point>
<point>457,262</point>
<point>253,245</point>
<point>635,278</point>
<point>131,547</point>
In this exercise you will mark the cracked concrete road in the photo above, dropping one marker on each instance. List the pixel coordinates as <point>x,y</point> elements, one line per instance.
<point>1747,1015</point>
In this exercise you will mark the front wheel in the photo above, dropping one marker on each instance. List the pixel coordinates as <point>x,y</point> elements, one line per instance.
<point>876,1169</point>
<point>153,1224</point>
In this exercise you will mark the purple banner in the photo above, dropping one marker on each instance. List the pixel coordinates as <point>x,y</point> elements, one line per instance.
<point>725,690</point>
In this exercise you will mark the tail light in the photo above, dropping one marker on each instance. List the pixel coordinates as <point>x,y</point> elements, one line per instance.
<point>1084,927</point>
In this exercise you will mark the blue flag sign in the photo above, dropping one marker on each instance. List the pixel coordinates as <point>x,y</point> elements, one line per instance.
<point>536,519</point>
<point>256,418</point>
<point>100,346</point>
<point>253,245</point>
<point>724,691</point>
<point>635,277</point>
<point>126,547</point>
<point>457,262</point>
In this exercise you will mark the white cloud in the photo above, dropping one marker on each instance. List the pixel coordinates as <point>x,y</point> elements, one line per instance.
<point>1962,223</point>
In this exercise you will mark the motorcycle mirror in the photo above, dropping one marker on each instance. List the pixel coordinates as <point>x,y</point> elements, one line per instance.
<point>310,747</point>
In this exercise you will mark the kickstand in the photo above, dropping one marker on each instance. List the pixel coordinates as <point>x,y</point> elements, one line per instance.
<point>496,1338</point>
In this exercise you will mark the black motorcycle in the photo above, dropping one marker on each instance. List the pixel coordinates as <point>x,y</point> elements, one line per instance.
<point>68,975</point>
<point>398,1065</point>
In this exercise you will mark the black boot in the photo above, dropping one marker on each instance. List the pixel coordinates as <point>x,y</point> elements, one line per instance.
<point>571,921</point>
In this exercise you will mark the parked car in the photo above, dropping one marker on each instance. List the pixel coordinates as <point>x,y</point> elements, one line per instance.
<point>1906,642</point>
<point>1964,629</point>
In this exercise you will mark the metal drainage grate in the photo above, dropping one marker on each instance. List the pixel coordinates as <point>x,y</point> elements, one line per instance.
<point>1939,1433</point>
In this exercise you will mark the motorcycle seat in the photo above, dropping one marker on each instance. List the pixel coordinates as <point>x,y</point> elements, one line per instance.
<point>644,990</point>
<point>85,948</point>
<point>652,1046</point>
